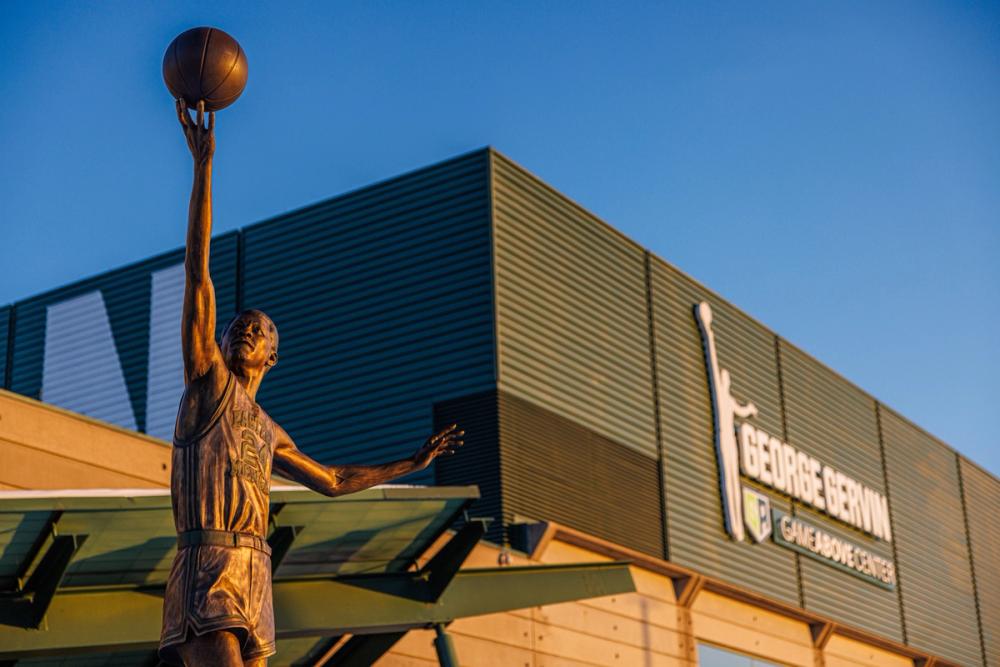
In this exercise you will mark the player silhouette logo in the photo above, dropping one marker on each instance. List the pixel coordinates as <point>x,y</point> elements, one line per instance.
<point>725,410</point>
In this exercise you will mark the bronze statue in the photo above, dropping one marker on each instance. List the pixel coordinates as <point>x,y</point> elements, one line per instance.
<point>217,607</point>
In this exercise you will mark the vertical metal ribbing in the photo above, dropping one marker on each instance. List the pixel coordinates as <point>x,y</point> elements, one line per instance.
<point>888,498</point>
<point>661,455</point>
<point>494,280</point>
<point>972,562</point>
<point>784,436</point>
<point>240,255</point>
<point>9,364</point>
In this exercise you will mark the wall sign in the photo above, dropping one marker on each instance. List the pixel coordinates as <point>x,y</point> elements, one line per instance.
<point>744,449</point>
<point>815,542</point>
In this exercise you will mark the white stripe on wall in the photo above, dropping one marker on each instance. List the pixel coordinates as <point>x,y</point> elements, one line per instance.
<point>166,366</point>
<point>81,370</point>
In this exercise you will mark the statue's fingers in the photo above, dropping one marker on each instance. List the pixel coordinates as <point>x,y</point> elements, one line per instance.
<point>182,115</point>
<point>443,433</point>
<point>201,113</point>
<point>211,121</point>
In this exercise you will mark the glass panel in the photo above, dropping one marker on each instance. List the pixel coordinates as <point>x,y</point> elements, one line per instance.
<point>712,656</point>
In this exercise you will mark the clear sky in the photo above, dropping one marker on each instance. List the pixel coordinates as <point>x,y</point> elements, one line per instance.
<point>831,168</point>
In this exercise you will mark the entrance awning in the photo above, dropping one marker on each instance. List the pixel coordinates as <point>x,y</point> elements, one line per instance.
<point>82,573</point>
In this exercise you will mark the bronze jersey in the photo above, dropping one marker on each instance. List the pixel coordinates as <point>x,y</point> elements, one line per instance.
<point>220,485</point>
<point>221,477</point>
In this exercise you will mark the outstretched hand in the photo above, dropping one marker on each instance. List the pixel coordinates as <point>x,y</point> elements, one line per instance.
<point>200,137</point>
<point>444,442</point>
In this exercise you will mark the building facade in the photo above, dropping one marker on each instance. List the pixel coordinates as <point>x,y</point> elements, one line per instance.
<point>605,394</point>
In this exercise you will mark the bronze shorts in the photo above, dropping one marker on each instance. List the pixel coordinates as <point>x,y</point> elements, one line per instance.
<point>219,588</point>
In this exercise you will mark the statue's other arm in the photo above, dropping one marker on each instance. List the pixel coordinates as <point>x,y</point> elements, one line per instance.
<point>201,353</point>
<point>338,480</point>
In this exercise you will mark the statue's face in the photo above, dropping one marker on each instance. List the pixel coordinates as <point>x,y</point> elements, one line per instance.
<point>249,342</point>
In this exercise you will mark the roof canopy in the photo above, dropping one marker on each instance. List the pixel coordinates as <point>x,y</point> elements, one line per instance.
<point>83,573</point>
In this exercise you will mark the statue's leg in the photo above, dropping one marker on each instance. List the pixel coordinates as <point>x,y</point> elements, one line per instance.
<point>213,648</point>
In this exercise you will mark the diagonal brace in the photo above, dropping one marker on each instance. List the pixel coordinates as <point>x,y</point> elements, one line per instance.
<point>441,568</point>
<point>28,609</point>
<point>280,542</point>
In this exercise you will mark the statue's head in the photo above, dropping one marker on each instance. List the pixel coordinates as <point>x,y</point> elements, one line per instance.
<point>250,342</point>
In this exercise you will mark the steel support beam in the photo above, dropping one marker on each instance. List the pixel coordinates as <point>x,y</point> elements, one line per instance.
<point>441,568</point>
<point>82,621</point>
<point>445,647</point>
<point>363,650</point>
<point>28,608</point>
<point>280,542</point>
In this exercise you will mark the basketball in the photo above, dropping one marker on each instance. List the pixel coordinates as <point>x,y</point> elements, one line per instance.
<point>205,64</point>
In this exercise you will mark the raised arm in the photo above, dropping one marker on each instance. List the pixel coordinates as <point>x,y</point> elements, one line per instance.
<point>201,353</point>
<point>339,480</point>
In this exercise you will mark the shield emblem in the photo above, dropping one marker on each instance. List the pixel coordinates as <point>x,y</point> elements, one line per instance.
<point>756,514</point>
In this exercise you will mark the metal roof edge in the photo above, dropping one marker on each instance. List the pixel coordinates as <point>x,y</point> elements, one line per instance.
<point>278,217</point>
<point>125,499</point>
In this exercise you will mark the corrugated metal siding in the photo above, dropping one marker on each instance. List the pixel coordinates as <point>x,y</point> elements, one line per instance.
<point>125,294</point>
<point>697,536</point>
<point>555,469</point>
<point>478,461</point>
<point>5,312</point>
<point>165,383</point>
<point>571,311</point>
<point>982,506</point>
<point>833,420</point>
<point>383,301</point>
<point>931,546</point>
<point>81,368</point>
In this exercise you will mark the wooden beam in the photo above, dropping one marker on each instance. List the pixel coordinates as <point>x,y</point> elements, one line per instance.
<point>686,588</point>
<point>821,632</point>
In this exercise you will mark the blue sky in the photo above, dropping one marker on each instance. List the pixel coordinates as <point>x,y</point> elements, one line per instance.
<point>831,168</point>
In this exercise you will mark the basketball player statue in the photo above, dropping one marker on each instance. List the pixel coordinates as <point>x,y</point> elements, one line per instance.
<point>217,607</point>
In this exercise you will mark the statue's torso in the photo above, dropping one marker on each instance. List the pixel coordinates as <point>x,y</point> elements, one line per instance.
<point>221,477</point>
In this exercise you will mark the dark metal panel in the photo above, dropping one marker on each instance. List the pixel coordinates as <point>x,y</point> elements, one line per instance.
<point>696,533</point>
<point>5,317</point>
<point>831,419</point>
<point>554,469</point>
<point>939,606</point>
<point>571,311</point>
<point>125,295</point>
<point>383,301</point>
<point>981,492</point>
<point>478,461</point>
